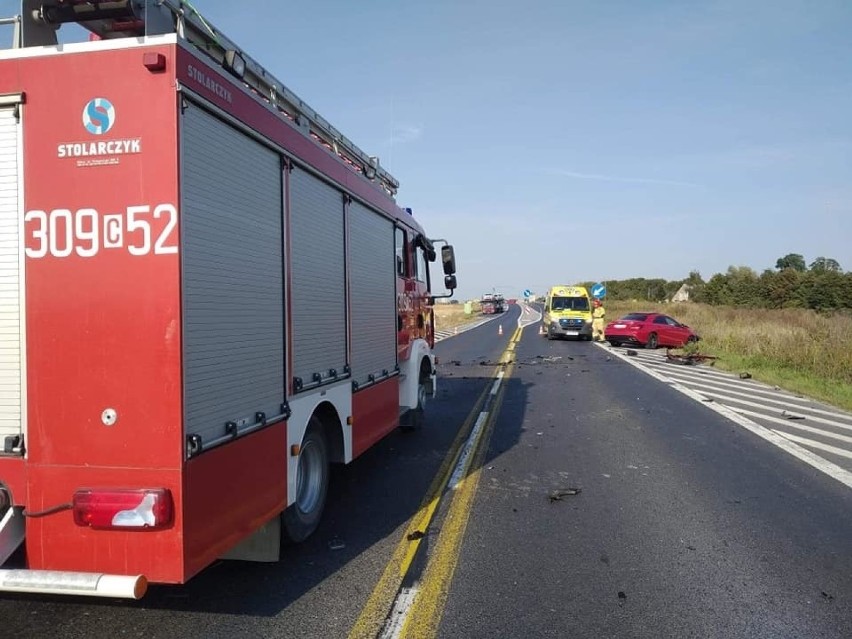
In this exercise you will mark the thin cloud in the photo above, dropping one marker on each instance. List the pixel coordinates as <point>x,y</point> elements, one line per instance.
<point>403,134</point>
<point>630,180</point>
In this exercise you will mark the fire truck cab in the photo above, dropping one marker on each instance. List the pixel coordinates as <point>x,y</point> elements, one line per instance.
<point>208,294</point>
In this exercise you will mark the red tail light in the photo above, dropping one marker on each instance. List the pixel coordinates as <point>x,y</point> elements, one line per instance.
<point>128,509</point>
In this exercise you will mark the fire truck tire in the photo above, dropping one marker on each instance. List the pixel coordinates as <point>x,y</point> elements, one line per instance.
<point>302,517</point>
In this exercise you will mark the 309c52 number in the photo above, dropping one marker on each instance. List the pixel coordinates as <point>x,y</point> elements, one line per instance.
<point>140,230</point>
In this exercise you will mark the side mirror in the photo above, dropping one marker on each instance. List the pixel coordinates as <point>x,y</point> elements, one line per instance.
<point>450,282</point>
<point>448,257</point>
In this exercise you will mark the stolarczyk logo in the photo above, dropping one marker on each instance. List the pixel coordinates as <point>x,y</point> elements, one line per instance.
<point>99,119</point>
<point>98,116</point>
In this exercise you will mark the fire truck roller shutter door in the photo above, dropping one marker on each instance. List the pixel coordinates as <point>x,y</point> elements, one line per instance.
<point>11,363</point>
<point>372,294</point>
<point>231,251</point>
<point>317,279</point>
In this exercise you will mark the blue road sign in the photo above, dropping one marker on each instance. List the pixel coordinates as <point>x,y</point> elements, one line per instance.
<point>527,292</point>
<point>598,291</point>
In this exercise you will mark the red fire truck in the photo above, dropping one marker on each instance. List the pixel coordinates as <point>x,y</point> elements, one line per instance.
<point>492,303</point>
<point>207,295</point>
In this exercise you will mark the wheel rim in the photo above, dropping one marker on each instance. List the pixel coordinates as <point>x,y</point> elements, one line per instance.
<point>421,396</point>
<point>309,477</point>
<point>652,341</point>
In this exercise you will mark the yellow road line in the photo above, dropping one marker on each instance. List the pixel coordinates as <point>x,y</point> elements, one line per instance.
<point>372,617</point>
<point>426,611</point>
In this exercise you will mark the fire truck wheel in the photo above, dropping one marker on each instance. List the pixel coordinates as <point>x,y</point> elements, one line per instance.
<point>301,519</point>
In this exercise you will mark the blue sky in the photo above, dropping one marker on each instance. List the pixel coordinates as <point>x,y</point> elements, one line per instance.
<point>556,141</point>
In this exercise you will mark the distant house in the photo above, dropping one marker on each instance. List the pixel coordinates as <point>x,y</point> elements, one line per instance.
<point>682,294</point>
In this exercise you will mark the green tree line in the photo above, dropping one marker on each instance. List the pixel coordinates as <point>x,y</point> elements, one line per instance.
<point>821,286</point>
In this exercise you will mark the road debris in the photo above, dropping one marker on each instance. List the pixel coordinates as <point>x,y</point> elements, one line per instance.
<point>689,359</point>
<point>546,359</point>
<point>745,375</point>
<point>336,544</point>
<point>622,594</point>
<point>558,494</point>
<point>417,534</point>
<point>827,596</point>
<point>787,415</point>
<point>631,352</point>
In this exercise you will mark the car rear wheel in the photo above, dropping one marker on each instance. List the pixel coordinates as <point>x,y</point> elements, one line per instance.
<point>653,342</point>
<point>691,339</point>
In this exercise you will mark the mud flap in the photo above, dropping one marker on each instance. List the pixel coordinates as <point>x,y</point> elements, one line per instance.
<point>264,545</point>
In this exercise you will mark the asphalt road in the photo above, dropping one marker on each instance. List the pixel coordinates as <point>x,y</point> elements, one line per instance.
<point>686,524</point>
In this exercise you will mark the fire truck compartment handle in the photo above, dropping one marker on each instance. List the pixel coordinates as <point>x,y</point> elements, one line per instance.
<point>194,444</point>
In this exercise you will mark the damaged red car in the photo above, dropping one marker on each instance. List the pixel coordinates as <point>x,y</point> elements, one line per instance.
<point>649,330</point>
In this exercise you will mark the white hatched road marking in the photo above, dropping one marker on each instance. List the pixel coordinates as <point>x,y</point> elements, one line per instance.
<point>725,388</point>
<point>801,427</point>
<point>720,379</point>
<point>774,413</point>
<point>529,315</point>
<point>725,399</point>
<point>695,376</point>
<point>775,420</point>
<point>700,374</point>
<point>842,452</point>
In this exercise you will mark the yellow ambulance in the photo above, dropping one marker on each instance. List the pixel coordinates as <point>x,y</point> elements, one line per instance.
<point>568,313</point>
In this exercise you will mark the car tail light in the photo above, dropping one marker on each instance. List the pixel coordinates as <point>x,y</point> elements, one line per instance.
<point>142,509</point>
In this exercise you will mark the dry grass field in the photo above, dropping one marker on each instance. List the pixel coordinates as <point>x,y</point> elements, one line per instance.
<point>796,349</point>
<point>449,316</point>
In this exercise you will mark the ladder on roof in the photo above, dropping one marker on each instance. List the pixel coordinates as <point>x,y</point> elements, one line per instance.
<point>108,19</point>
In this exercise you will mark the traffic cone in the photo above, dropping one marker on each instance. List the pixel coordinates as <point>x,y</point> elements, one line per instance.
<point>500,330</point>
